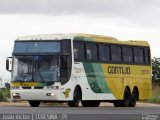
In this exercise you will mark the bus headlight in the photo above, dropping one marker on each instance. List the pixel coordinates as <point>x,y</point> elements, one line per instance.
<point>16,95</point>
<point>50,94</point>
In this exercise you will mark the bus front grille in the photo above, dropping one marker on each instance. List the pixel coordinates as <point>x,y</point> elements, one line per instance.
<point>33,88</point>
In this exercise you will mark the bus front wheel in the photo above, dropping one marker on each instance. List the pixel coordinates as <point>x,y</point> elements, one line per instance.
<point>34,103</point>
<point>76,98</point>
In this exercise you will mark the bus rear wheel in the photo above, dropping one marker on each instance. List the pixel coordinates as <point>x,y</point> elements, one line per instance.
<point>90,103</point>
<point>126,99</point>
<point>34,103</point>
<point>76,98</point>
<point>134,98</point>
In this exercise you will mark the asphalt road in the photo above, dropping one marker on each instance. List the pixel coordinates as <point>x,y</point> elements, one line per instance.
<point>80,113</point>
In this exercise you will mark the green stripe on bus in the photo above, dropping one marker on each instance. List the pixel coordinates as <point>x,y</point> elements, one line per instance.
<point>83,38</point>
<point>100,77</point>
<point>91,77</point>
<point>96,78</point>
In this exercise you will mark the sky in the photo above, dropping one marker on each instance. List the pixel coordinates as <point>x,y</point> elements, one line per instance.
<point>122,19</point>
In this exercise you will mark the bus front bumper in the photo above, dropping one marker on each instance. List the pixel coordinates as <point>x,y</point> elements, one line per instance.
<point>40,95</point>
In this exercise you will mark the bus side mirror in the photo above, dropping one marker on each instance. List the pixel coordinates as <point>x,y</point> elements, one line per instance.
<point>9,64</point>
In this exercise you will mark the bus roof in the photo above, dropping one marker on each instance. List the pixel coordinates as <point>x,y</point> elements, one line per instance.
<point>45,37</point>
<point>109,39</point>
<point>83,37</point>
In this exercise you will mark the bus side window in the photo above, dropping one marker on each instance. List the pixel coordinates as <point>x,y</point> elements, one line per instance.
<point>116,53</point>
<point>147,55</point>
<point>127,54</point>
<point>64,62</point>
<point>66,66</point>
<point>91,52</point>
<point>138,55</point>
<point>104,52</point>
<point>66,46</point>
<point>79,51</point>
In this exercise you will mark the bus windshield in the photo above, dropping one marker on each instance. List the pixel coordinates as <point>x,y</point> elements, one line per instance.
<point>36,47</point>
<point>36,68</point>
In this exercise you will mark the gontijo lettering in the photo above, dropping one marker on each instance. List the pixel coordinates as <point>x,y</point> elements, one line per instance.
<point>118,70</point>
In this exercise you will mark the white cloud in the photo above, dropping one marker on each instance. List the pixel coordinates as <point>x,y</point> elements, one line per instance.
<point>13,26</point>
<point>6,48</point>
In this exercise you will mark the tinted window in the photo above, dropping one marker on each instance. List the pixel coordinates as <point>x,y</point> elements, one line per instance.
<point>116,53</point>
<point>79,51</point>
<point>40,47</point>
<point>91,52</point>
<point>138,55</point>
<point>127,54</point>
<point>147,55</point>
<point>66,46</point>
<point>104,52</point>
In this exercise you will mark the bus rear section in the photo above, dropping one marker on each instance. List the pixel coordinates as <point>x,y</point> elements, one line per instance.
<point>113,71</point>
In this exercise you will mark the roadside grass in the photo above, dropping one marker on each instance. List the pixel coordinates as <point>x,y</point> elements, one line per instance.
<point>155,98</point>
<point>4,94</point>
<point>57,104</point>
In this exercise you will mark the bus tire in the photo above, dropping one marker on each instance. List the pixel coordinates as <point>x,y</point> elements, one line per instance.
<point>134,98</point>
<point>127,98</point>
<point>90,103</point>
<point>34,103</point>
<point>76,98</point>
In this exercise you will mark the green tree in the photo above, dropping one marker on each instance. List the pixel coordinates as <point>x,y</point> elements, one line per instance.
<point>156,71</point>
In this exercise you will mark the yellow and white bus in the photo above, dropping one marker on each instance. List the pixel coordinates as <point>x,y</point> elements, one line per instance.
<point>78,68</point>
